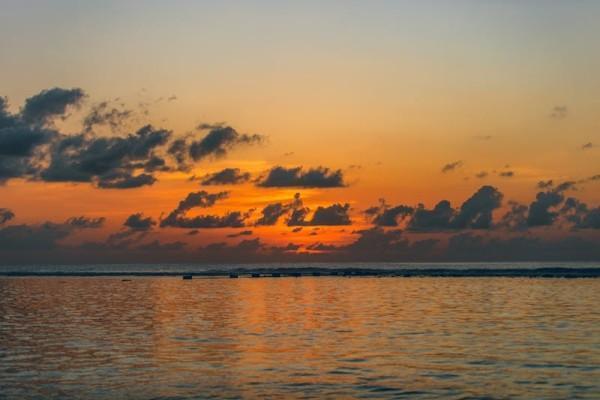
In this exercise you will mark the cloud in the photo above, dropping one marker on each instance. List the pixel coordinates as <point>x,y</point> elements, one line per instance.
<point>545,184</point>
<point>333,215</point>
<point>103,114</point>
<point>384,245</point>
<point>587,146</point>
<point>385,215</point>
<point>319,177</point>
<point>593,178</point>
<point>507,174</point>
<point>238,234</point>
<point>227,176</point>
<point>540,210</point>
<point>474,213</point>
<point>271,213</point>
<point>320,246</point>
<point>32,237</point>
<point>515,219</point>
<point>452,166</point>
<point>471,247</point>
<point>559,112</point>
<point>202,199</point>
<point>219,140</point>
<point>50,103</point>
<point>44,236</point>
<point>297,214</point>
<point>6,215</point>
<point>481,175</point>
<point>109,162</point>
<point>31,147</point>
<point>156,245</point>
<point>579,214</point>
<point>20,140</point>
<point>85,222</point>
<point>138,222</point>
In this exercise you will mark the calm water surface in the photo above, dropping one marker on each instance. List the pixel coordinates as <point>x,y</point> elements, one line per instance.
<point>307,337</point>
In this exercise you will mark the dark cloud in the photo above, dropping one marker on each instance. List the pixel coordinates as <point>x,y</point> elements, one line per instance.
<point>542,211</point>
<point>233,219</point>
<point>545,184</point>
<point>227,176</point>
<point>156,245</point>
<point>40,237</point>
<point>297,214</point>
<point>579,214</point>
<point>32,148</point>
<point>238,234</point>
<point>178,149</point>
<point>125,180</point>
<point>319,177</point>
<point>19,143</point>
<point>271,213</point>
<point>385,215</point>
<point>437,218</point>
<point>6,215</point>
<point>590,220</point>
<point>452,166</point>
<point>320,246</point>
<point>138,222</point>
<point>85,222</point>
<point>202,199</point>
<point>471,247</point>
<point>104,114</point>
<point>587,146</point>
<point>474,213</point>
<point>385,245</point>
<point>110,162</point>
<point>333,215</point>
<point>219,140</point>
<point>32,237</point>
<point>50,103</point>
<point>481,175</point>
<point>515,218</point>
<point>507,174</point>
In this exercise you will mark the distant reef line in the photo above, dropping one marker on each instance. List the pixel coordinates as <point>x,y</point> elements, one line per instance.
<point>549,272</point>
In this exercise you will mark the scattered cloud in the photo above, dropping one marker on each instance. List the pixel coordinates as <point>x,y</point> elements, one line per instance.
<point>452,166</point>
<point>138,222</point>
<point>588,146</point>
<point>559,112</point>
<point>227,176</point>
<point>319,177</point>
<point>6,215</point>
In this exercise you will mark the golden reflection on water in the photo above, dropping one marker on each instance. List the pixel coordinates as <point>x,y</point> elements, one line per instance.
<point>326,337</point>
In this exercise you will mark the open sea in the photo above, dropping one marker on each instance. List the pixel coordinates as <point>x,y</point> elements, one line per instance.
<point>144,336</point>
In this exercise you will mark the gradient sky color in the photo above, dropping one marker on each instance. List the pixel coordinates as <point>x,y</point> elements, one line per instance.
<point>389,92</point>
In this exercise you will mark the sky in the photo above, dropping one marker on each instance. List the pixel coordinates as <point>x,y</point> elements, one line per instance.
<point>214,131</point>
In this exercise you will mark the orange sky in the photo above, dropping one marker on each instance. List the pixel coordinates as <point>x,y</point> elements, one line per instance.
<point>387,93</point>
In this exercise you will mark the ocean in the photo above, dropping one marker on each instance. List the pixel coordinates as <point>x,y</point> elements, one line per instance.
<point>355,336</point>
